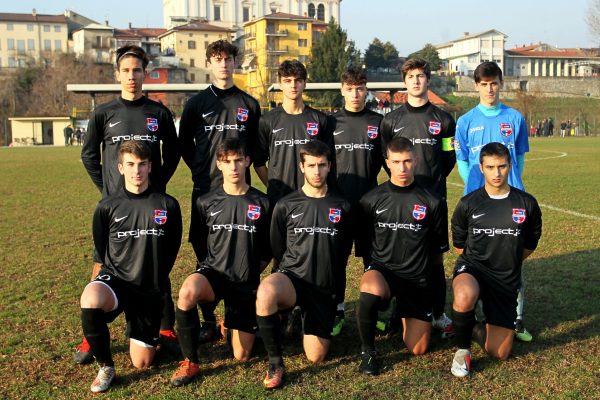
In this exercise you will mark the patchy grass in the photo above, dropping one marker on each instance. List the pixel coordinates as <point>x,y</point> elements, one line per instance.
<point>45,261</point>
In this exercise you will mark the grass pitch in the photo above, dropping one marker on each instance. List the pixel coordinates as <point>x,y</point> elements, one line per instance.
<point>45,261</point>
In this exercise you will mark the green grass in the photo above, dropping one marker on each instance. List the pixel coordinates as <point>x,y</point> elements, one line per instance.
<point>45,261</point>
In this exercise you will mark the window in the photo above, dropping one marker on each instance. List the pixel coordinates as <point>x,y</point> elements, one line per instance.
<point>192,63</point>
<point>9,27</point>
<point>302,59</point>
<point>57,45</point>
<point>191,44</point>
<point>321,12</point>
<point>10,44</point>
<point>302,26</point>
<point>217,13</point>
<point>311,10</point>
<point>30,27</point>
<point>46,28</point>
<point>56,28</point>
<point>47,44</point>
<point>154,75</point>
<point>246,14</point>
<point>30,44</point>
<point>21,46</point>
<point>98,41</point>
<point>472,58</point>
<point>192,77</point>
<point>205,45</point>
<point>12,62</point>
<point>207,78</point>
<point>302,42</point>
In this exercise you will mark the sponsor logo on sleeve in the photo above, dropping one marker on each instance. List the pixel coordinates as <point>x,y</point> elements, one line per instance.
<point>253,212</point>
<point>335,215</point>
<point>419,212</point>
<point>435,127</point>
<point>506,129</point>
<point>242,114</point>
<point>152,124</point>
<point>372,131</point>
<point>312,128</point>
<point>160,216</point>
<point>518,215</point>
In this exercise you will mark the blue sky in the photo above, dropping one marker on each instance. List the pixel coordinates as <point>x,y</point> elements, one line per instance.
<point>407,24</point>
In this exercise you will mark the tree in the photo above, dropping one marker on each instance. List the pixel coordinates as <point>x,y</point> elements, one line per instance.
<point>429,54</point>
<point>331,54</point>
<point>592,18</point>
<point>381,55</point>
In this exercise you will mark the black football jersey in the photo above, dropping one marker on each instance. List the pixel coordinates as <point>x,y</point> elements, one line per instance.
<point>402,227</point>
<point>210,117</point>
<point>494,232</point>
<point>279,139</point>
<point>431,130</point>
<point>119,120</point>
<point>310,237</point>
<point>138,236</point>
<point>358,157</point>
<point>235,232</point>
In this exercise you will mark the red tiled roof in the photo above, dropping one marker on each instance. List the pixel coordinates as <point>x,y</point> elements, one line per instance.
<point>280,15</point>
<point>201,26</point>
<point>138,32</point>
<point>543,50</point>
<point>14,17</point>
<point>400,97</point>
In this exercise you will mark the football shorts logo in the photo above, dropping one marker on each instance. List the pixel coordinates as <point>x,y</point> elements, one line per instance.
<point>335,215</point>
<point>435,127</point>
<point>419,212</point>
<point>160,216</point>
<point>152,124</point>
<point>372,131</point>
<point>242,114</point>
<point>518,215</point>
<point>253,212</point>
<point>506,129</point>
<point>312,128</point>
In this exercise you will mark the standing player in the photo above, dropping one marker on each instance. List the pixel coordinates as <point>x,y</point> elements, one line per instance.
<point>403,229</point>
<point>283,130</point>
<point>431,131</point>
<point>234,222</point>
<point>219,112</point>
<point>309,237</point>
<point>492,121</point>
<point>493,229</point>
<point>137,233</point>
<point>358,155</point>
<point>130,117</point>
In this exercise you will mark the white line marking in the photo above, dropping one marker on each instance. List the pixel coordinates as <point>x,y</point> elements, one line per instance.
<point>562,210</point>
<point>560,155</point>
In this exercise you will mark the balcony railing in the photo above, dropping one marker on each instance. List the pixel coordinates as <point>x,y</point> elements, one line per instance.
<point>274,32</point>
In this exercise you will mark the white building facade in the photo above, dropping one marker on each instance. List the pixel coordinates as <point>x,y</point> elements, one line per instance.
<point>463,55</point>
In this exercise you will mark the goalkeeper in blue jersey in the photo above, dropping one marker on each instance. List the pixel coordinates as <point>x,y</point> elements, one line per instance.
<point>492,121</point>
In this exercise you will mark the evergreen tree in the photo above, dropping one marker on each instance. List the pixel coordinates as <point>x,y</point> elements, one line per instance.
<point>429,54</point>
<point>381,55</point>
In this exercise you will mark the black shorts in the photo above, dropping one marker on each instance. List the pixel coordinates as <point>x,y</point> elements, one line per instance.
<point>143,311</point>
<point>499,305</point>
<point>318,307</point>
<point>413,297</point>
<point>239,299</point>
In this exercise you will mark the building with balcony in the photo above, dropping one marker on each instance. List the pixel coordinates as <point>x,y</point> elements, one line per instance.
<point>28,38</point>
<point>188,44</point>
<point>146,38</point>
<point>96,42</point>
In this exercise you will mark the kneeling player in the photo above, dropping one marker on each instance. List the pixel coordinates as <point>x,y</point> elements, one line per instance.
<point>404,232</point>
<point>493,229</point>
<point>309,237</point>
<point>137,233</point>
<point>233,234</point>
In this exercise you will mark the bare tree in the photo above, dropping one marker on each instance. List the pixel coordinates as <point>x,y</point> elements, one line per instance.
<point>592,18</point>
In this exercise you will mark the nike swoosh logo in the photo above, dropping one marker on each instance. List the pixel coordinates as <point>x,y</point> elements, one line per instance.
<point>380,211</point>
<point>212,214</point>
<point>120,219</point>
<point>429,314</point>
<point>337,133</point>
<point>277,130</point>
<point>398,130</point>
<point>110,125</point>
<point>296,215</point>
<point>477,216</point>
<point>207,114</point>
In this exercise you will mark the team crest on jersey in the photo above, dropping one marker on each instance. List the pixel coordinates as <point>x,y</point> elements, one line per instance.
<point>160,216</point>
<point>372,131</point>
<point>242,114</point>
<point>253,212</point>
<point>419,212</point>
<point>312,128</point>
<point>519,215</point>
<point>335,215</point>
<point>152,124</point>
<point>506,129</point>
<point>435,127</point>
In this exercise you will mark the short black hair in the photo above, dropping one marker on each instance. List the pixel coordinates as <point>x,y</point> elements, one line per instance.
<point>399,145</point>
<point>231,145</point>
<point>132,51</point>
<point>315,148</point>
<point>487,69</point>
<point>136,147</point>
<point>494,149</point>
<point>416,63</point>
<point>221,47</point>
<point>292,68</point>
<point>354,76</point>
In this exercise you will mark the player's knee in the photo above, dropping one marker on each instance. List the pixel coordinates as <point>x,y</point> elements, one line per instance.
<point>419,349</point>
<point>188,297</point>
<point>241,354</point>
<point>265,295</point>
<point>316,357</point>
<point>90,300</point>
<point>500,354</point>
<point>464,300</point>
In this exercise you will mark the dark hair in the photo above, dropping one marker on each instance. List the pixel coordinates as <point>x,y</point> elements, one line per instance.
<point>314,148</point>
<point>487,69</point>
<point>230,145</point>
<point>136,147</point>
<point>354,76</point>
<point>292,68</point>
<point>399,145</point>
<point>221,47</point>
<point>416,63</point>
<point>132,51</point>
<point>494,149</point>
